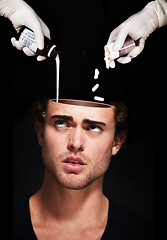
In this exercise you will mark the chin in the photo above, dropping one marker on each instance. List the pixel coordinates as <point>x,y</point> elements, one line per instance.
<point>77,181</point>
<point>74,182</point>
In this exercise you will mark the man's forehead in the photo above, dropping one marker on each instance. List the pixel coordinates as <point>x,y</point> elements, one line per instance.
<point>82,112</point>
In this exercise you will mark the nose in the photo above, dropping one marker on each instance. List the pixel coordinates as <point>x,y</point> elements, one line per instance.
<point>76,140</point>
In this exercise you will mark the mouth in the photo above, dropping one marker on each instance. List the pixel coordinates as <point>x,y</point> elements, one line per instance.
<point>73,164</point>
<point>74,160</point>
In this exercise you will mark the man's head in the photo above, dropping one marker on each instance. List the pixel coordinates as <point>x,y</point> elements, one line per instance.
<point>78,141</point>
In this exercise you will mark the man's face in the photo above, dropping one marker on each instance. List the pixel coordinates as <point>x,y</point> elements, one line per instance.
<point>77,143</point>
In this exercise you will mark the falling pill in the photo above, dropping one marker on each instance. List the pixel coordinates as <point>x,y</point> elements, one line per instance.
<point>96,73</point>
<point>95,87</point>
<point>99,99</point>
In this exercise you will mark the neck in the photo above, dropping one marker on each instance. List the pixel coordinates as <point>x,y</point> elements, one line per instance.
<point>67,205</point>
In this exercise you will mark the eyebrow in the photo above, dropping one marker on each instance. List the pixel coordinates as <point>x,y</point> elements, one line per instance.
<point>64,117</point>
<point>86,121</point>
<point>92,122</point>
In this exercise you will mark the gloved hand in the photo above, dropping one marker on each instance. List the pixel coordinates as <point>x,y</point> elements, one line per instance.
<point>21,14</point>
<point>139,26</point>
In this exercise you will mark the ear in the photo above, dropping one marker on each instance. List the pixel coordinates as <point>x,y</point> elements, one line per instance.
<point>118,141</point>
<point>39,129</point>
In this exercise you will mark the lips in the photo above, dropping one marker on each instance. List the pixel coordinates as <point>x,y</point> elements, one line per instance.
<point>73,164</point>
<point>74,160</point>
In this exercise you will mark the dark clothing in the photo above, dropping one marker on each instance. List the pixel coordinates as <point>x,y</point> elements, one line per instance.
<point>122,224</point>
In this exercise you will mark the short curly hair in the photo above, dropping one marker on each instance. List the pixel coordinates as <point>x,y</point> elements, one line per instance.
<point>39,110</point>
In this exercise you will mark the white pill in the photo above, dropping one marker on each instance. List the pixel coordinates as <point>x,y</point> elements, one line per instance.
<point>95,87</point>
<point>99,99</point>
<point>96,73</point>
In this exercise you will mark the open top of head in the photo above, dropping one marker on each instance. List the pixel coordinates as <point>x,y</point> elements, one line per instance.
<point>82,103</point>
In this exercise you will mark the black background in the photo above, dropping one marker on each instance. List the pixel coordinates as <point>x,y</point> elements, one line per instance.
<point>130,178</point>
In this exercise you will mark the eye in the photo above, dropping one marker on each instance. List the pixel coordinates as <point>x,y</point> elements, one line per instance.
<point>61,124</point>
<point>95,128</point>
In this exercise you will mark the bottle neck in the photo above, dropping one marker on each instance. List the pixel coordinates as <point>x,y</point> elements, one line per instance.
<point>53,51</point>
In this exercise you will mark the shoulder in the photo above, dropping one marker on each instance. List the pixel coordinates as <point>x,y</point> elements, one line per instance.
<point>22,228</point>
<point>126,224</point>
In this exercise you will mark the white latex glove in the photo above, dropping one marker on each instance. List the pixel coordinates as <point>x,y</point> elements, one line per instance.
<point>21,14</point>
<point>139,26</point>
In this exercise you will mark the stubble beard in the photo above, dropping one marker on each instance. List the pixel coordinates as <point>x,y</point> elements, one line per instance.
<point>73,181</point>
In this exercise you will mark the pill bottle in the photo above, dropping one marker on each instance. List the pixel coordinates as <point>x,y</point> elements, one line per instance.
<point>128,46</point>
<point>27,38</point>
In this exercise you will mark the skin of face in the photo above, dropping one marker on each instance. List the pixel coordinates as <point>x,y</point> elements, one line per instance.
<point>77,132</point>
